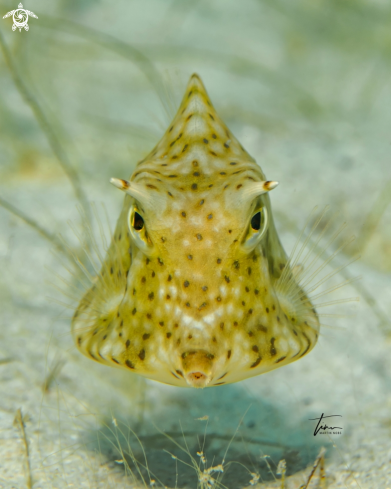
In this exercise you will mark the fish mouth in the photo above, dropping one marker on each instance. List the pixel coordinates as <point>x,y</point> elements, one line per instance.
<point>197,367</point>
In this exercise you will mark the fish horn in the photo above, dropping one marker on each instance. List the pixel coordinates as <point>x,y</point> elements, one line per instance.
<point>258,188</point>
<point>133,189</point>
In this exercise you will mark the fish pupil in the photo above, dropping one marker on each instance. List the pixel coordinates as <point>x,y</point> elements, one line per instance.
<point>256,221</point>
<point>138,222</point>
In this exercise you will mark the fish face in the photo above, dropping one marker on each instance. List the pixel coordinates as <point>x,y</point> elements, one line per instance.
<point>190,293</point>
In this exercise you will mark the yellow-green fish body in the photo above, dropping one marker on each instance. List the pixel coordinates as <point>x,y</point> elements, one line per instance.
<point>191,292</point>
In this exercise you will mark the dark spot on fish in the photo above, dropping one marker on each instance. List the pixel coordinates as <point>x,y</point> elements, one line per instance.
<point>146,336</point>
<point>115,360</point>
<point>141,355</point>
<point>129,364</point>
<point>262,328</point>
<point>218,299</point>
<point>222,173</point>
<point>168,335</point>
<point>151,296</point>
<point>257,362</point>
<point>127,343</point>
<point>255,348</point>
<point>172,176</point>
<point>249,270</point>
<point>280,359</point>
<point>219,260</point>
<point>210,216</point>
<point>190,257</point>
<point>183,213</point>
<point>196,174</point>
<point>211,116</point>
<point>267,310</point>
<point>168,297</point>
<point>227,279</point>
<point>186,283</point>
<point>179,372</point>
<point>149,316</point>
<point>256,291</point>
<point>160,261</point>
<point>233,163</point>
<point>273,350</point>
<point>187,304</point>
<point>205,141</point>
<point>308,344</point>
<point>222,325</point>
<point>199,237</point>
<point>184,148</point>
<point>169,278</point>
<point>134,311</point>
<point>194,186</point>
<point>229,354</point>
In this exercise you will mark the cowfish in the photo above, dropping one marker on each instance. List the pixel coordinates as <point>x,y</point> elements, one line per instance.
<point>196,289</point>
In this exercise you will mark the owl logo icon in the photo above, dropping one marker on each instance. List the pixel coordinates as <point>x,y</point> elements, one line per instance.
<point>20,17</point>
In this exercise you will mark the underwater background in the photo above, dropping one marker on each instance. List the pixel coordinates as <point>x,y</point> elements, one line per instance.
<point>86,93</point>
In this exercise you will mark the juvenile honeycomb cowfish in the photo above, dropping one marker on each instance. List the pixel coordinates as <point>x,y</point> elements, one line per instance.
<point>196,289</point>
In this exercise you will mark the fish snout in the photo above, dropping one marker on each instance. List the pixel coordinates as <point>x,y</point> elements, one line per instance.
<point>197,367</point>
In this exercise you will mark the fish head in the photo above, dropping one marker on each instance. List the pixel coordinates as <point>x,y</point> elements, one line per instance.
<point>199,259</point>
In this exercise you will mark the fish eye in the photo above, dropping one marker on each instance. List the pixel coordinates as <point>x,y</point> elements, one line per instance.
<point>138,221</point>
<point>256,221</point>
<point>138,231</point>
<point>256,229</point>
